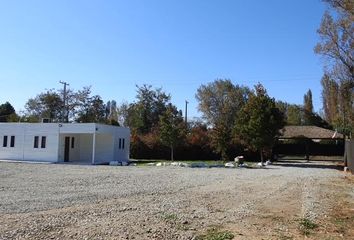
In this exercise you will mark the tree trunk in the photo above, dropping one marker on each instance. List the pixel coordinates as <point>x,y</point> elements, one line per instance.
<point>172,153</point>
<point>224,156</point>
<point>307,151</point>
<point>261,153</point>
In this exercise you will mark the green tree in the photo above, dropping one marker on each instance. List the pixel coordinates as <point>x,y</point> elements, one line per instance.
<point>7,112</point>
<point>316,120</point>
<point>283,106</point>
<point>144,114</point>
<point>220,102</point>
<point>259,122</point>
<point>45,105</point>
<point>221,139</point>
<point>171,128</point>
<point>50,104</point>
<point>92,111</point>
<point>308,108</point>
<point>294,115</point>
<point>75,102</point>
<point>302,115</point>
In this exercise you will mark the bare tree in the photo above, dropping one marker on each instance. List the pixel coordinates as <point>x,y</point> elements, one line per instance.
<point>337,47</point>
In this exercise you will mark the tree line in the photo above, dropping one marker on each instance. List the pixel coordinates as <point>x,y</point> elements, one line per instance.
<point>234,119</point>
<point>78,106</point>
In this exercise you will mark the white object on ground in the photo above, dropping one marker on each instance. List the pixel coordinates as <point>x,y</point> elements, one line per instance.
<point>238,159</point>
<point>179,164</point>
<point>268,163</point>
<point>229,165</point>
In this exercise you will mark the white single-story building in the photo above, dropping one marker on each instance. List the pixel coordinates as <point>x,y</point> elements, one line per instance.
<point>64,142</point>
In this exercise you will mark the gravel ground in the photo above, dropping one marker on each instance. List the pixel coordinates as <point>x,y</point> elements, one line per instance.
<point>57,201</point>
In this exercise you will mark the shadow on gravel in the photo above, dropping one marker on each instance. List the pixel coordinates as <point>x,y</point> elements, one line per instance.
<point>318,165</point>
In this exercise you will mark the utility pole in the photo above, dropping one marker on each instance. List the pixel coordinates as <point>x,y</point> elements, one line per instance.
<point>64,117</point>
<point>185,113</point>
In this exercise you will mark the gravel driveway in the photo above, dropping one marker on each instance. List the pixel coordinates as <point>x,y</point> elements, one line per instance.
<point>57,201</point>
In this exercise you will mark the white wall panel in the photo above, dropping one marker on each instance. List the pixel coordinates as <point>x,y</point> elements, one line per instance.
<point>107,139</point>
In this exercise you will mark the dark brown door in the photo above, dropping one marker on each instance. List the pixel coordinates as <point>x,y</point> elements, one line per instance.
<point>67,149</point>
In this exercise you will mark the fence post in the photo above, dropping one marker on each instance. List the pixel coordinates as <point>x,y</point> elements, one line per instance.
<point>349,155</point>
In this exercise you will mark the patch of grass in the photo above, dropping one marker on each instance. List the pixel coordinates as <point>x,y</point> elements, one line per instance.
<point>170,216</point>
<point>207,163</point>
<point>343,220</point>
<point>284,237</point>
<point>339,221</point>
<point>342,224</point>
<point>306,226</point>
<point>214,234</point>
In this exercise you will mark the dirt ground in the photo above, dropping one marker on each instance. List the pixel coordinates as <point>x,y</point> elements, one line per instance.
<point>288,200</point>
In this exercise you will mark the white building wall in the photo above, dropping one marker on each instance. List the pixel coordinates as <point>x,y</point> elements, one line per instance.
<point>86,148</point>
<point>50,152</point>
<point>107,142</point>
<point>121,153</point>
<point>77,128</point>
<point>16,152</point>
<point>24,142</point>
<point>104,148</point>
<point>74,149</point>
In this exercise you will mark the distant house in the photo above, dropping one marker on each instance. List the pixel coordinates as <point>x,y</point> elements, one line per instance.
<point>312,132</point>
<point>64,142</point>
<point>298,140</point>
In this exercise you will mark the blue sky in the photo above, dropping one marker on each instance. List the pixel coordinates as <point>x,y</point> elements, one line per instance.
<point>174,44</point>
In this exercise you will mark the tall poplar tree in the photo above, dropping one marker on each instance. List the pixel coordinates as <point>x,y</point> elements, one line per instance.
<point>308,108</point>
<point>336,46</point>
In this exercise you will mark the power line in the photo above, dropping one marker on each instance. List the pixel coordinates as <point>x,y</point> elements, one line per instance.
<point>238,81</point>
<point>185,113</point>
<point>64,114</point>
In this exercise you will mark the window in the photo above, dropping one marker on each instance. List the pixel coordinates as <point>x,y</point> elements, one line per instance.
<point>123,143</point>
<point>72,142</point>
<point>35,144</point>
<point>12,141</point>
<point>120,143</point>
<point>43,142</point>
<point>4,142</point>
